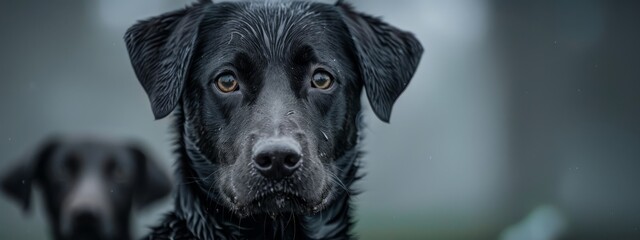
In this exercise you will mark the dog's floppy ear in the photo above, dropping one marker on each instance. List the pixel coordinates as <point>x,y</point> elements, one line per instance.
<point>18,181</point>
<point>160,50</point>
<point>152,182</point>
<point>387,56</point>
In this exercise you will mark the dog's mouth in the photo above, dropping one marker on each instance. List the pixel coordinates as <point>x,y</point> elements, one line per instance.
<point>280,201</point>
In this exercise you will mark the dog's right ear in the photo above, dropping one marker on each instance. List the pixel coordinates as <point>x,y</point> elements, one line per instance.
<point>152,182</point>
<point>17,183</point>
<point>160,50</point>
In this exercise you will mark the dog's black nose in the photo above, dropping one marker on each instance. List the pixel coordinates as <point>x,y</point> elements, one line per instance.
<point>277,158</point>
<point>86,220</point>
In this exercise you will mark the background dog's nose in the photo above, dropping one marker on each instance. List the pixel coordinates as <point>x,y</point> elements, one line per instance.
<point>277,158</point>
<point>86,220</point>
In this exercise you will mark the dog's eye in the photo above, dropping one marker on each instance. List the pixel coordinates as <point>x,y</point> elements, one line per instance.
<point>227,83</point>
<point>72,164</point>
<point>322,80</point>
<point>114,171</point>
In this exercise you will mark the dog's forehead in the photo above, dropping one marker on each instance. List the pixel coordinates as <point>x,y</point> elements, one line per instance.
<point>271,28</point>
<point>90,150</point>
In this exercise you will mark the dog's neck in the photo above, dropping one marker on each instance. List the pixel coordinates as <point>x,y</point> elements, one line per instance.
<point>208,220</point>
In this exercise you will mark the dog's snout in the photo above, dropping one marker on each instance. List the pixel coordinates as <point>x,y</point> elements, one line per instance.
<point>277,158</point>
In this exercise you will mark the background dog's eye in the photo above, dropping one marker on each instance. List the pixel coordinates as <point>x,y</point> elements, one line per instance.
<point>227,83</point>
<point>322,80</point>
<point>72,165</point>
<point>114,171</point>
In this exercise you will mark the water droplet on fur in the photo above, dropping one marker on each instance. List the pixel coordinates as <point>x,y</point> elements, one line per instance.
<point>325,136</point>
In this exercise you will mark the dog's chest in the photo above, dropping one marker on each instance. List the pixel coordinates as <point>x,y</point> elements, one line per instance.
<point>175,228</point>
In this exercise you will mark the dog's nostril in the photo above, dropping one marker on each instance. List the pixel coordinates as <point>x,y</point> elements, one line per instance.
<point>291,160</point>
<point>277,158</point>
<point>263,161</point>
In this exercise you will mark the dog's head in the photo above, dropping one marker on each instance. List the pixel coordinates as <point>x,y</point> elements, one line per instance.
<point>270,94</point>
<point>88,185</point>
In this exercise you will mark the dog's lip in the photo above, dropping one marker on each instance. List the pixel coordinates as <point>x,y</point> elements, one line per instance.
<point>263,197</point>
<point>270,201</point>
<point>295,200</point>
<point>291,196</point>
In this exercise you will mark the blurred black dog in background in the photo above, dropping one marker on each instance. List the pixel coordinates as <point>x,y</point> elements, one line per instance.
<point>89,185</point>
<point>268,101</point>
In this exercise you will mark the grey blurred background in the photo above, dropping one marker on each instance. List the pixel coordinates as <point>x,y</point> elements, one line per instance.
<point>522,121</point>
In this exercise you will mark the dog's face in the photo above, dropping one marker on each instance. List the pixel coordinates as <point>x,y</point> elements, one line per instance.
<point>272,112</point>
<point>270,94</point>
<point>88,185</point>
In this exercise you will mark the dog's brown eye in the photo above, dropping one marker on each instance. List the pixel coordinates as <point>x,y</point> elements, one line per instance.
<point>227,83</point>
<point>322,80</point>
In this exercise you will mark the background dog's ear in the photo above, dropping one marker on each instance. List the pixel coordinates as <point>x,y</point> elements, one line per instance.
<point>17,183</point>
<point>388,58</point>
<point>160,50</point>
<point>152,182</point>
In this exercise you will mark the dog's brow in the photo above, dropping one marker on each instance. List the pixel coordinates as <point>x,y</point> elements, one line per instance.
<point>304,54</point>
<point>243,61</point>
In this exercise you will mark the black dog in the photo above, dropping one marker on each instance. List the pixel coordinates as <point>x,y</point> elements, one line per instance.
<point>268,99</point>
<point>89,185</point>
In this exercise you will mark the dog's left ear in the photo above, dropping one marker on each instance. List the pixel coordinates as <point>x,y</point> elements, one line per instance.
<point>152,182</point>
<point>387,56</point>
<point>160,50</point>
<point>18,182</point>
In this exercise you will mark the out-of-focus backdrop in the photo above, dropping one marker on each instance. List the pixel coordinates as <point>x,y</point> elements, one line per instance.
<point>522,121</point>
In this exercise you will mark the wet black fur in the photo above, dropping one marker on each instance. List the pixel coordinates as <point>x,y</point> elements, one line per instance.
<point>176,55</point>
